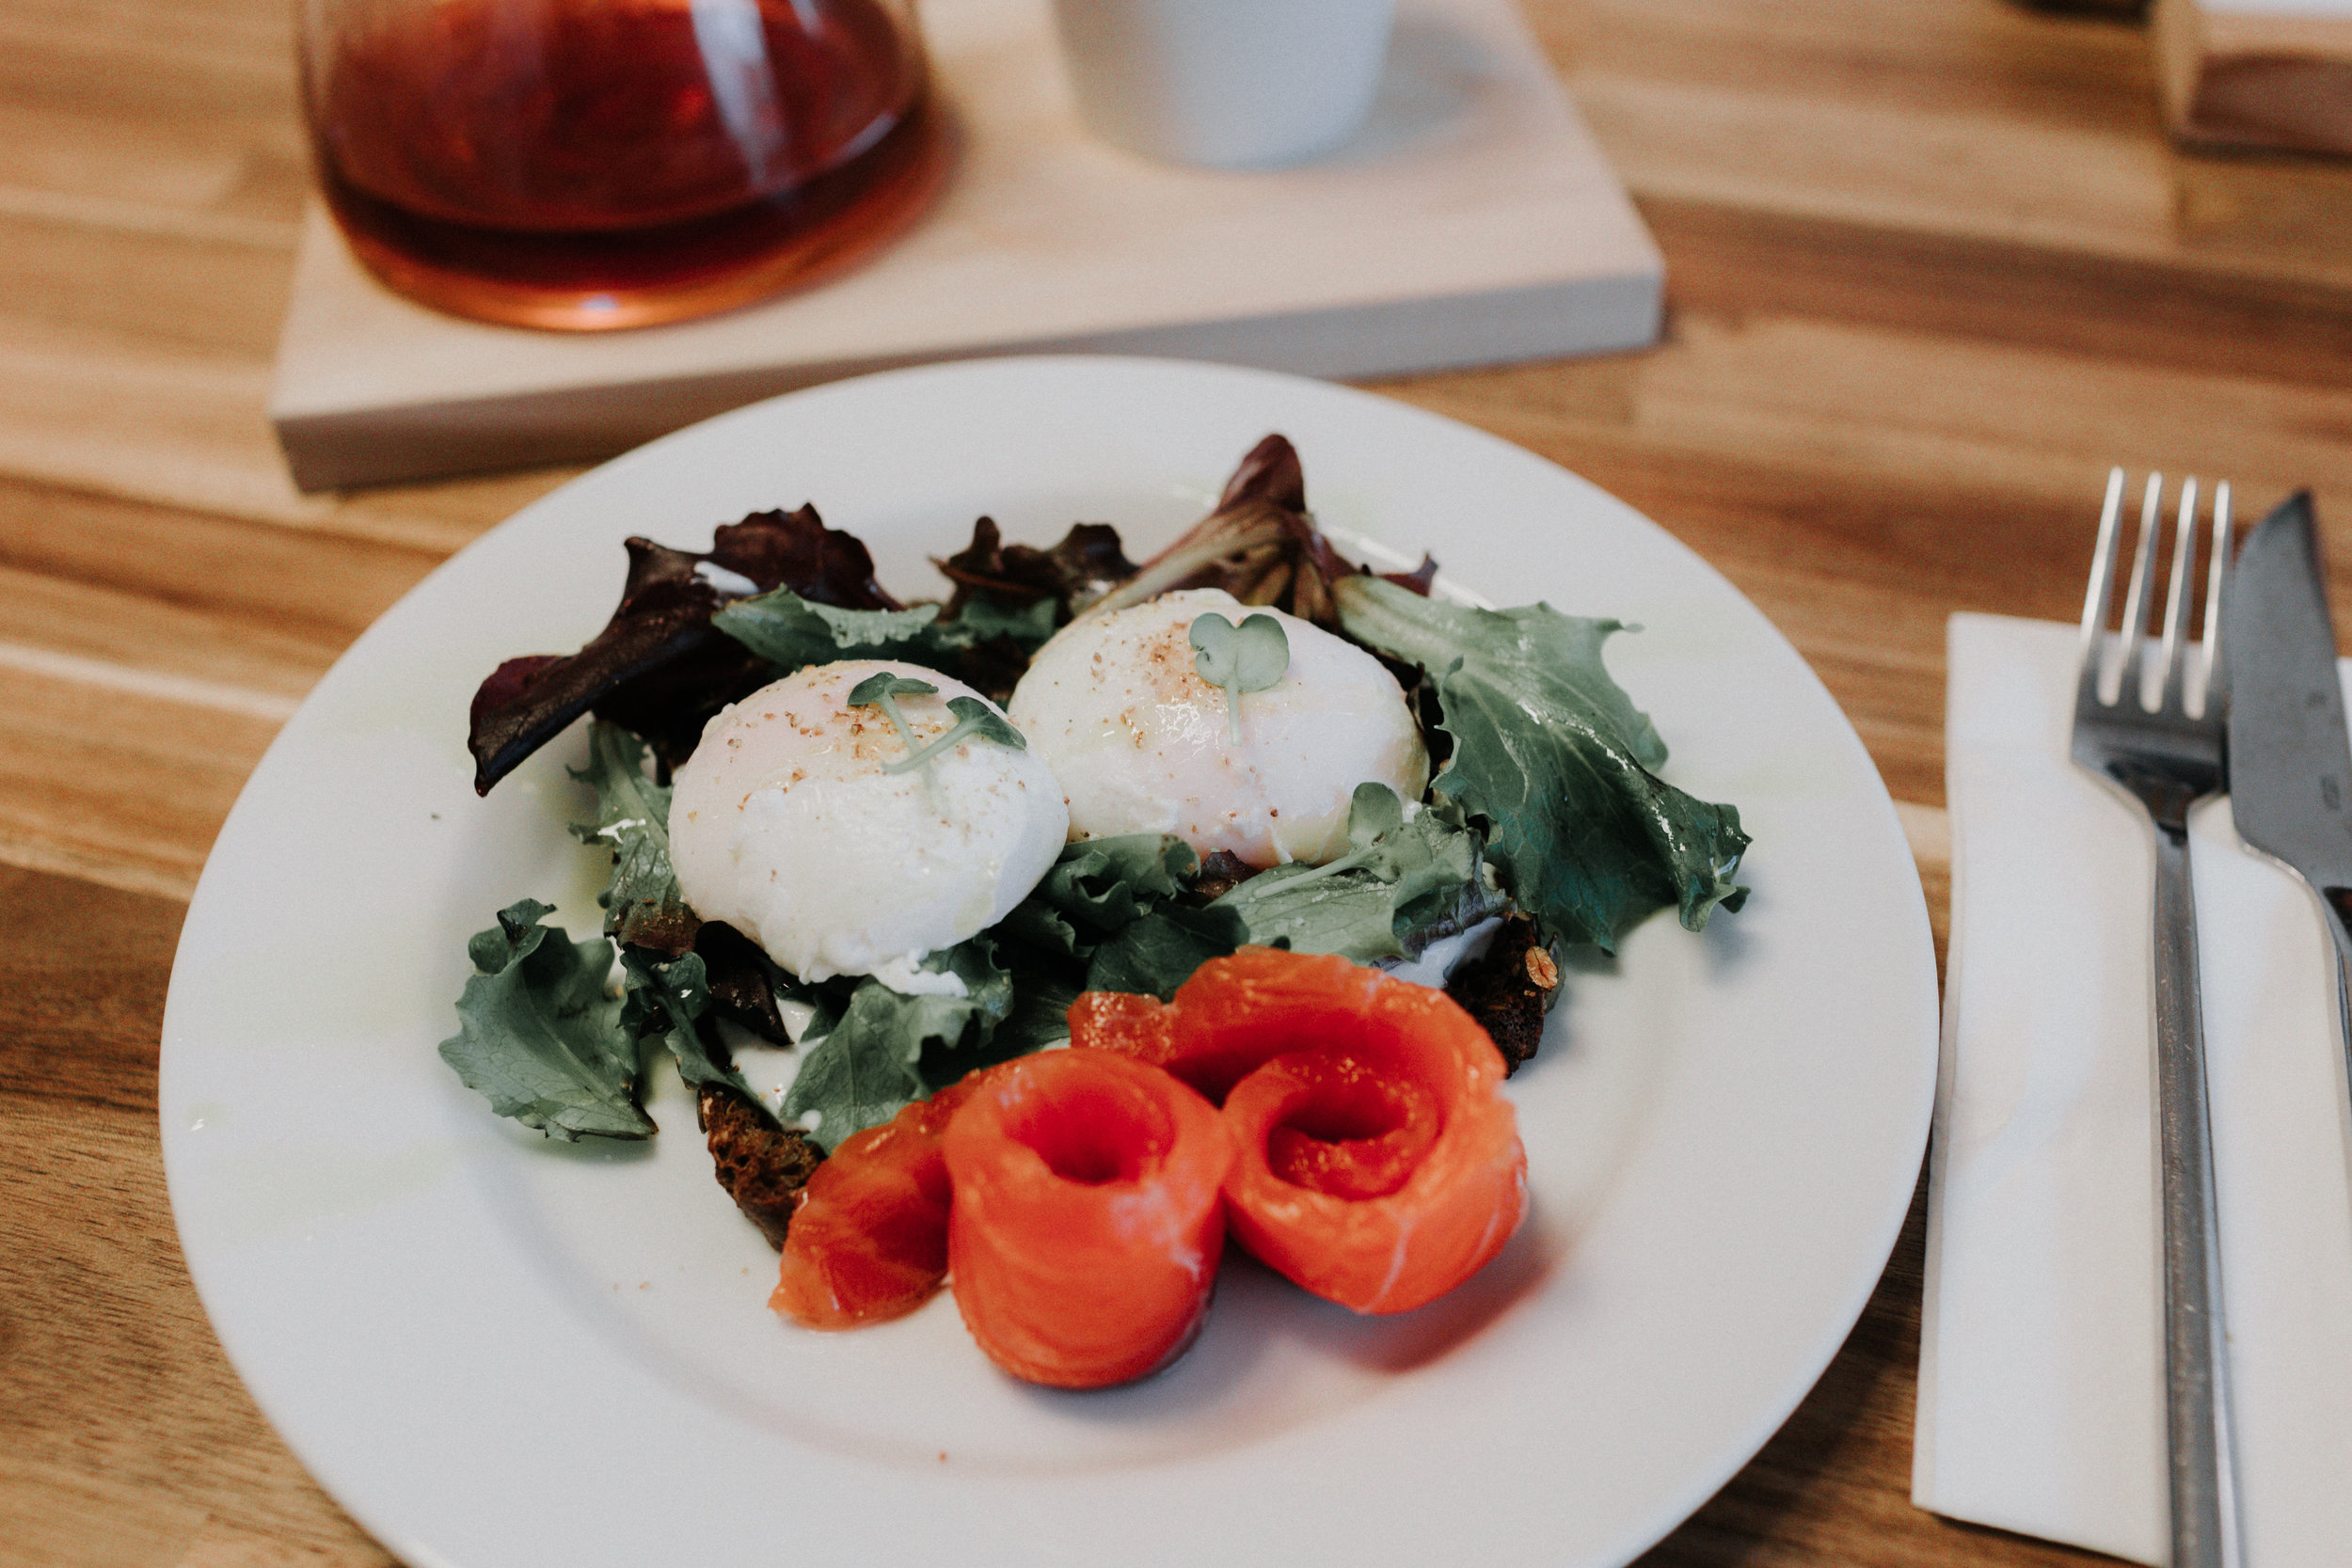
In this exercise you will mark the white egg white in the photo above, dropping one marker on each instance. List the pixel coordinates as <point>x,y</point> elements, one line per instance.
<point>1140,741</point>
<point>787,825</point>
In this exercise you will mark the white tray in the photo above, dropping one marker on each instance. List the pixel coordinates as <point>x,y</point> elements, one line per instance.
<point>1473,221</point>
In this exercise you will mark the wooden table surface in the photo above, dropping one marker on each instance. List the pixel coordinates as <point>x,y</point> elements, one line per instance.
<point>1931,269</point>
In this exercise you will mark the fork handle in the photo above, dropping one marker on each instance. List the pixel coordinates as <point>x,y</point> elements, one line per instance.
<point>2197,1415</point>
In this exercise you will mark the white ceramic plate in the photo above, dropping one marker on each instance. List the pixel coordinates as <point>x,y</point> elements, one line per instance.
<point>495,1350</point>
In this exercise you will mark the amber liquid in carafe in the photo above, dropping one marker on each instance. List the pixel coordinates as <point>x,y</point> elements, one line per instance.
<point>585,165</point>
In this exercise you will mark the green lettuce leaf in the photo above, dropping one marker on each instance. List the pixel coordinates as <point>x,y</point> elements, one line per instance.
<point>1040,1011</point>
<point>863,1072</point>
<point>884,1049</point>
<point>1158,952</point>
<point>1028,628</point>
<point>643,905</point>
<point>1552,755</point>
<point>1106,918</point>
<point>1400,886</point>
<point>984,644</point>
<point>539,1032</point>
<point>666,1002</point>
<point>791,631</point>
<point>1100,886</point>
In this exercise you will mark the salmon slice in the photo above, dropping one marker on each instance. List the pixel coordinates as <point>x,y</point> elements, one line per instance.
<point>1377,1164</point>
<point>1342,1128</point>
<point>1087,1221</point>
<point>868,1236</point>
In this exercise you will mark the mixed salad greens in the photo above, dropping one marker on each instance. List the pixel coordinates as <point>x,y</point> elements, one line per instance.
<point>1547,811</point>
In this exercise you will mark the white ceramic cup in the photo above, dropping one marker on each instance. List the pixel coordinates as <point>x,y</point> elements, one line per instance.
<point>1232,84</point>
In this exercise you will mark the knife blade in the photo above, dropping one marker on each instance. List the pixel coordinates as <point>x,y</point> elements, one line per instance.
<point>2289,760</point>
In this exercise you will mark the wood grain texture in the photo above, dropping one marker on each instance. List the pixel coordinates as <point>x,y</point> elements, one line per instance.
<point>1933,266</point>
<point>125,1440</point>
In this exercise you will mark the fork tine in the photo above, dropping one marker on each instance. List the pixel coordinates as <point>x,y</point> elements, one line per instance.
<point>2217,584</point>
<point>2173,683</point>
<point>2132,685</point>
<point>2100,595</point>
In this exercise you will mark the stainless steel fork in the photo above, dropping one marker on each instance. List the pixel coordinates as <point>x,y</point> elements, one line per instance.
<point>2168,756</point>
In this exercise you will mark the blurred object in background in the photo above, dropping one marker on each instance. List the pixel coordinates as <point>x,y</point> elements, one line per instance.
<point>594,163</point>
<point>1226,83</point>
<point>2273,74</point>
<point>2127,9</point>
<point>1472,220</point>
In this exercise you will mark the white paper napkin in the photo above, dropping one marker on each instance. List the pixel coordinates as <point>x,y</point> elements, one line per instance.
<point>2041,1365</point>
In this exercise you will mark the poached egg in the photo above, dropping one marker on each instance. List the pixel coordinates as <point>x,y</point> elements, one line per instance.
<point>787,825</point>
<point>1140,740</point>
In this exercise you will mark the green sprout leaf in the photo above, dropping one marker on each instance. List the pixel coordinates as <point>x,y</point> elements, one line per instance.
<point>975,719</point>
<point>873,689</point>
<point>1251,656</point>
<point>883,692</point>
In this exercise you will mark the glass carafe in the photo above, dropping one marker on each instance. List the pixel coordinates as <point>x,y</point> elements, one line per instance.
<point>591,163</point>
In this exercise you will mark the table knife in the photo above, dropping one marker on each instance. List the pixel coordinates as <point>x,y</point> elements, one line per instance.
<point>2290,762</point>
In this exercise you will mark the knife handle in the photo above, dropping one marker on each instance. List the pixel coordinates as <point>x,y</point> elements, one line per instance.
<point>2197,1413</point>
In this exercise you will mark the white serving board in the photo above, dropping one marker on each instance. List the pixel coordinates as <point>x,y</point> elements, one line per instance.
<point>1473,221</point>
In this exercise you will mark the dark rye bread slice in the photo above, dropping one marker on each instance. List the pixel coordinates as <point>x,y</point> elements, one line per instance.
<point>762,1165</point>
<point>1509,989</point>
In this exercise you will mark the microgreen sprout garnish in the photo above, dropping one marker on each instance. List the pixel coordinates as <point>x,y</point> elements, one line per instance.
<point>975,719</point>
<point>1248,657</point>
<point>883,691</point>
